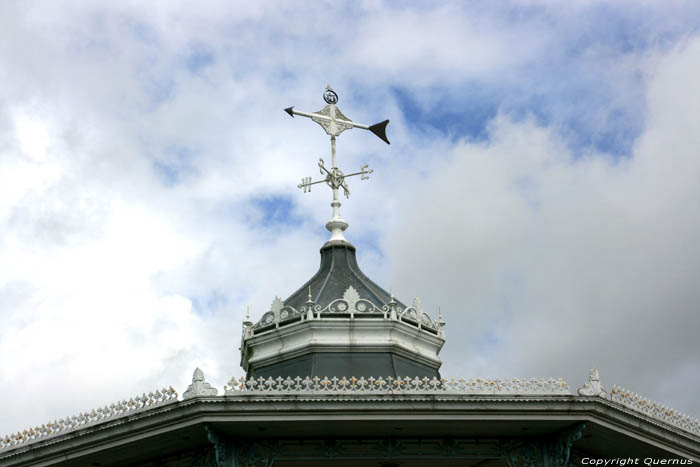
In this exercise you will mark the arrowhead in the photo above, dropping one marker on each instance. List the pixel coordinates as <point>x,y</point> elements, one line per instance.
<point>379,129</point>
<point>290,111</point>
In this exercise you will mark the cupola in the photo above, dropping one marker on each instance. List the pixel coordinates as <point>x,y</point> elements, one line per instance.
<point>340,322</point>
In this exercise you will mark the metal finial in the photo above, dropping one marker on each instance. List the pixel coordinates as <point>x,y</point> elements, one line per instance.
<point>247,322</point>
<point>310,306</point>
<point>330,96</point>
<point>393,315</point>
<point>334,123</point>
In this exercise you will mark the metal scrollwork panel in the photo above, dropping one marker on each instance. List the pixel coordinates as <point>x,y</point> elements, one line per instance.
<point>339,306</point>
<point>365,306</point>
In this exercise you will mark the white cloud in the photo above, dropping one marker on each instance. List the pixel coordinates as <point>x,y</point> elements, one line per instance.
<point>446,42</point>
<point>114,282</point>
<point>548,263</point>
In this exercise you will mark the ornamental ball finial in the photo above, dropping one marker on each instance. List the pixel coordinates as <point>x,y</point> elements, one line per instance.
<point>330,96</point>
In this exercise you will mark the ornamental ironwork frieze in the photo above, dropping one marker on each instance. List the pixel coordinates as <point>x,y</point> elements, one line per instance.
<point>548,452</point>
<point>351,306</point>
<point>390,385</point>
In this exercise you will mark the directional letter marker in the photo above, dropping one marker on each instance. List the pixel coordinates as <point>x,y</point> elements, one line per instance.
<point>334,123</point>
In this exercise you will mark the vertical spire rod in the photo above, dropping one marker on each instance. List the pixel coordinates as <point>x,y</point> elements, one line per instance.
<point>335,204</point>
<point>333,157</point>
<point>336,225</point>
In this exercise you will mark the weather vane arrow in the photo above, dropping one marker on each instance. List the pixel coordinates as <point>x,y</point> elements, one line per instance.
<point>334,123</point>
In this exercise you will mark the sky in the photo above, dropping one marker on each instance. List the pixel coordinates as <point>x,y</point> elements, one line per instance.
<point>542,186</point>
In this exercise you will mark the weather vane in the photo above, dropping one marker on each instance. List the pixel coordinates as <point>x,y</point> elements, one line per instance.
<point>334,123</point>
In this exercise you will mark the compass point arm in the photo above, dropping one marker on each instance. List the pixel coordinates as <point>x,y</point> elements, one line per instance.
<point>379,129</point>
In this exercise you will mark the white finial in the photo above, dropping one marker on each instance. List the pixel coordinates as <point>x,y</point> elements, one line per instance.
<point>247,322</point>
<point>392,306</point>
<point>199,386</point>
<point>593,387</point>
<point>310,306</point>
<point>334,123</point>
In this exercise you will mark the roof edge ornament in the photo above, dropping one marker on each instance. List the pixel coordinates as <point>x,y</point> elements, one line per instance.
<point>108,412</point>
<point>199,386</point>
<point>654,409</point>
<point>352,305</point>
<point>349,386</point>
<point>333,122</point>
<point>388,385</point>
<point>593,387</point>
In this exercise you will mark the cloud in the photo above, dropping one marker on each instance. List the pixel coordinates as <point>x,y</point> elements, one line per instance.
<point>549,262</point>
<point>142,148</point>
<point>445,44</point>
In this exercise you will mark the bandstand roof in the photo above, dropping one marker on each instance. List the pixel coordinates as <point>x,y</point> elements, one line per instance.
<point>478,418</point>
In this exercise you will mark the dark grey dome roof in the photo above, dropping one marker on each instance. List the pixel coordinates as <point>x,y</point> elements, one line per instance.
<point>338,271</point>
<point>388,339</point>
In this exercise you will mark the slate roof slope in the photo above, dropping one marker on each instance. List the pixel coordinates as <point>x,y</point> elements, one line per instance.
<point>338,271</point>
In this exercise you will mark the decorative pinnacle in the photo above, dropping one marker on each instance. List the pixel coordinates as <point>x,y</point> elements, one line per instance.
<point>334,123</point>
<point>247,322</point>
<point>441,321</point>
<point>310,306</point>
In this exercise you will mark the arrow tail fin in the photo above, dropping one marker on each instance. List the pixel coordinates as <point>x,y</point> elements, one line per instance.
<point>379,129</point>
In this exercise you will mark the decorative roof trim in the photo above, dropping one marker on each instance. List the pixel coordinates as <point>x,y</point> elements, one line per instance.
<point>350,306</point>
<point>592,387</point>
<point>392,385</point>
<point>654,410</point>
<point>542,389</point>
<point>199,386</point>
<point>113,411</point>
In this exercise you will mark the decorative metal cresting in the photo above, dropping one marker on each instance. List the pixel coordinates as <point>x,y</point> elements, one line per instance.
<point>113,411</point>
<point>655,410</point>
<point>351,385</point>
<point>334,123</point>
<point>350,306</point>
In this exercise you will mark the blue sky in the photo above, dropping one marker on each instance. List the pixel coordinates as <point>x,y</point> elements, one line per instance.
<point>540,187</point>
